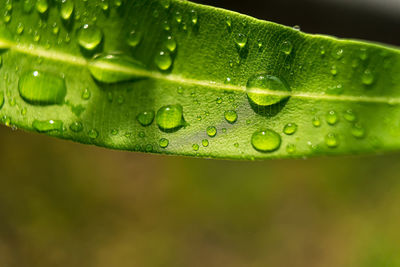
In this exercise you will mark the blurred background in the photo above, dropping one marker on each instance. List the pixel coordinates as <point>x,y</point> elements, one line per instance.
<point>66,204</point>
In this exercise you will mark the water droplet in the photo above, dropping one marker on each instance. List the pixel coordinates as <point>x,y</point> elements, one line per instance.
<point>178,17</point>
<point>266,140</point>
<point>170,117</point>
<point>93,134</point>
<point>287,47</point>
<point>195,147</point>
<point>291,148</point>
<point>211,131</point>
<point>231,116</point>
<point>104,5</point>
<point>368,77</point>
<point>142,134</point>
<point>290,128</point>
<point>228,22</point>
<point>47,125</point>
<point>86,94</point>
<point>163,60</point>
<point>334,70</point>
<point>42,88</point>
<point>331,140</point>
<point>205,143</point>
<point>1,100</point>
<point>165,3</point>
<point>42,6</point>
<point>316,122</point>
<point>363,54</point>
<point>114,132</point>
<point>20,28</point>
<point>267,90</point>
<point>67,8</point>
<point>170,44</point>
<point>219,100</point>
<point>297,28</point>
<point>358,131</point>
<point>76,127</point>
<point>163,143</point>
<point>112,68</point>
<point>134,38</point>
<point>338,53</point>
<point>332,117</point>
<point>146,118</point>
<point>90,37</point>
<point>350,116</point>
<point>194,17</point>
<point>241,41</point>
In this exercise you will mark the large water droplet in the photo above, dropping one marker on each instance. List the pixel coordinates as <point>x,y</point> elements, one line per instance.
<point>90,37</point>
<point>170,44</point>
<point>350,116</point>
<point>266,90</point>
<point>241,41</point>
<point>266,140</point>
<point>42,88</point>
<point>76,127</point>
<point>67,8</point>
<point>47,125</point>
<point>163,60</point>
<point>112,68</point>
<point>146,118</point>
<point>170,118</point>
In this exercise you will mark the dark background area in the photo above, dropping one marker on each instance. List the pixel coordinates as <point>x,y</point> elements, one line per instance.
<point>66,204</point>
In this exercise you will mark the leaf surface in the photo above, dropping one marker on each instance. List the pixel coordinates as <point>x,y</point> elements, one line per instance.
<point>175,77</point>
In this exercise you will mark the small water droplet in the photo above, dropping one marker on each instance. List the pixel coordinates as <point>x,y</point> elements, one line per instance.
<point>291,148</point>
<point>338,53</point>
<point>86,94</point>
<point>178,17</point>
<point>367,77</point>
<point>205,143</point>
<point>331,140</point>
<point>170,44</point>
<point>112,68</point>
<point>195,147</point>
<point>90,37</point>
<point>134,38</point>
<point>241,41</point>
<point>287,47</point>
<point>332,118</point>
<point>228,22</point>
<point>350,116</point>
<point>42,6</point>
<point>67,8</point>
<point>146,118</point>
<point>219,100</point>
<point>231,116</point>
<point>163,143</point>
<point>266,90</point>
<point>41,88</point>
<point>47,125</point>
<point>93,134</point>
<point>363,54</point>
<point>334,70</point>
<point>316,122</point>
<point>266,140</point>
<point>290,129</point>
<point>163,60</point>
<point>358,131</point>
<point>211,131</point>
<point>170,117</point>
<point>20,28</point>
<point>194,18</point>
<point>76,127</point>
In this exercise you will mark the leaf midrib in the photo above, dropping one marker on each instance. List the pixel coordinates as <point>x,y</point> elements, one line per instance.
<point>80,61</point>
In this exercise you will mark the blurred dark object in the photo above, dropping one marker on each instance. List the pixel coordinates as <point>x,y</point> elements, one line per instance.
<point>374,20</point>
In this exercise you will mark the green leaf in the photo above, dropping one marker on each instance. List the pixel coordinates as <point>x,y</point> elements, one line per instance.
<point>175,77</point>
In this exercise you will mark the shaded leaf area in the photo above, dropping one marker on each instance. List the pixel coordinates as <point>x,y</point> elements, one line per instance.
<point>175,77</point>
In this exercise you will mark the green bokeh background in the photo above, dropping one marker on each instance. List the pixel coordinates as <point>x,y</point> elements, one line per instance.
<point>65,204</point>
